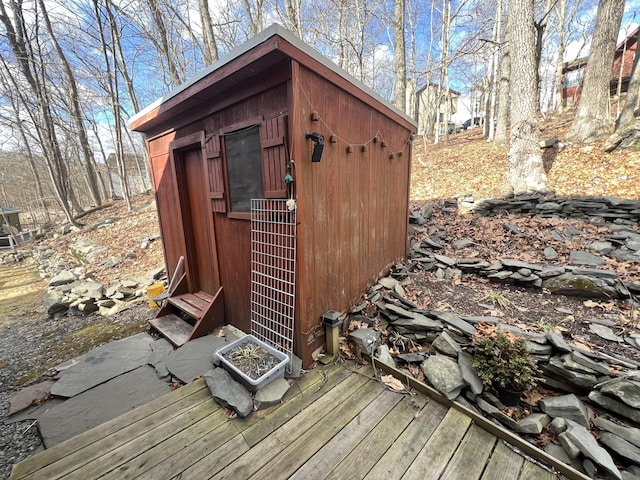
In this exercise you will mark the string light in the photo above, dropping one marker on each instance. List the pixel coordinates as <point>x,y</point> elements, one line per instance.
<point>333,137</point>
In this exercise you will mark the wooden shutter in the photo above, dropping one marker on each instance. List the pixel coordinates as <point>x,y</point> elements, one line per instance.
<point>274,157</point>
<point>215,173</point>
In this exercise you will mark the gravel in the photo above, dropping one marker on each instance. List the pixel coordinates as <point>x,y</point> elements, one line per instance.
<point>29,346</point>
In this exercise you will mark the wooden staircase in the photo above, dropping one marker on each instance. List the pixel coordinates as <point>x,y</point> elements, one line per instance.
<point>186,315</point>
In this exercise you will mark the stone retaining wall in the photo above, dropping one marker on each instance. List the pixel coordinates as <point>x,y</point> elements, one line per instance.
<point>597,209</point>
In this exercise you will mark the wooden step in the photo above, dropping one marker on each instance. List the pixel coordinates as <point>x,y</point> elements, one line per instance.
<point>175,329</point>
<point>192,303</point>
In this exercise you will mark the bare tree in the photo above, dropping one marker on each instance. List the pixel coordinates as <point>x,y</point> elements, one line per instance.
<point>28,54</point>
<point>504,99</point>
<point>525,167</point>
<point>631,101</point>
<point>76,111</point>
<point>399,51</point>
<point>210,44</point>
<point>593,117</point>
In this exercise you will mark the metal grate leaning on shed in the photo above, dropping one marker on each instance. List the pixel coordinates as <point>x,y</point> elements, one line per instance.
<point>273,261</point>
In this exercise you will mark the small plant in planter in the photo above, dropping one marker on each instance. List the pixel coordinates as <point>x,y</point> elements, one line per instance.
<point>503,361</point>
<point>252,362</point>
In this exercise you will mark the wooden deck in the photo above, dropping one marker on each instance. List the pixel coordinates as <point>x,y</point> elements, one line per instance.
<point>334,423</point>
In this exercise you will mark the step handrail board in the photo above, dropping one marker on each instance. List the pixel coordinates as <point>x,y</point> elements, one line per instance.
<point>211,318</point>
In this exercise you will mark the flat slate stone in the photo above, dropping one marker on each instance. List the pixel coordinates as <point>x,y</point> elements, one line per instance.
<point>623,389</point>
<point>615,406</point>
<point>227,392</point>
<point>271,394</point>
<point>33,412</point>
<point>193,359</point>
<point>621,447</point>
<point>558,368</point>
<point>605,332</point>
<point>629,434</point>
<point>100,404</point>
<point>160,350</point>
<point>469,373</point>
<point>557,341</point>
<point>455,322</point>
<point>366,339</point>
<point>25,397</point>
<point>589,447</point>
<point>444,374</point>
<point>533,423</point>
<point>565,406</point>
<point>103,363</point>
<point>581,257</point>
<point>447,345</point>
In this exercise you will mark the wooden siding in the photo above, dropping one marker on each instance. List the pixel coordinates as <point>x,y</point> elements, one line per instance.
<point>231,246</point>
<point>352,207</point>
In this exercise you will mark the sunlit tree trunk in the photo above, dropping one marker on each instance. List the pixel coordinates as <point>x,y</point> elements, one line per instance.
<point>525,167</point>
<point>400,91</point>
<point>76,111</point>
<point>209,39</point>
<point>561,12</point>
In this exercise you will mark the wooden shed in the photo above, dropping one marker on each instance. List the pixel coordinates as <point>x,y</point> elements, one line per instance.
<point>283,183</point>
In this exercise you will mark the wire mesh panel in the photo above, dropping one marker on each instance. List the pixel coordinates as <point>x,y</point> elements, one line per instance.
<point>273,261</point>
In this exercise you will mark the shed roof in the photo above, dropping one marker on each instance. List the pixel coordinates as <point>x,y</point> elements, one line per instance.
<point>266,49</point>
<point>8,210</point>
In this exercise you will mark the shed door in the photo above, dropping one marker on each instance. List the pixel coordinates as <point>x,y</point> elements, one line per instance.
<point>194,203</point>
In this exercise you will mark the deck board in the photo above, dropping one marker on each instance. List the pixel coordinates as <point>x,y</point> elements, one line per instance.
<point>504,463</point>
<point>336,423</point>
<point>359,461</point>
<point>435,455</point>
<point>397,459</point>
<point>470,458</point>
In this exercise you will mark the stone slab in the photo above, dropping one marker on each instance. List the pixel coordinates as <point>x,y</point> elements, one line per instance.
<point>25,397</point>
<point>160,351</point>
<point>33,412</point>
<point>227,392</point>
<point>103,363</point>
<point>100,404</point>
<point>193,359</point>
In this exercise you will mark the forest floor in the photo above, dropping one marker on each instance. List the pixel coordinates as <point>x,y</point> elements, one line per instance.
<point>468,165</point>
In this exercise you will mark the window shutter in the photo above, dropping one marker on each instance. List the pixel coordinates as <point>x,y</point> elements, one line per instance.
<point>274,157</point>
<point>215,173</point>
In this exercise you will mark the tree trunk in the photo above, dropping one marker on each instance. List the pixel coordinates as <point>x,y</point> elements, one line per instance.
<point>593,117</point>
<point>631,101</point>
<point>495,56</point>
<point>292,8</point>
<point>504,100</point>
<point>76,111</point>
<point>525,167</point>
<point>29,61</point>
<point>400,94</point>
<point>209,39</point>
<point>561,12</point>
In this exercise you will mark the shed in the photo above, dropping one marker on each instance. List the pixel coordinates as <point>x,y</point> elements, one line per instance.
<point>283,183</point>
<point>12,216</point>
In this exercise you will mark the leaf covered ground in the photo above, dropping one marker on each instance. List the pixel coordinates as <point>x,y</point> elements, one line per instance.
<point>469,165</point>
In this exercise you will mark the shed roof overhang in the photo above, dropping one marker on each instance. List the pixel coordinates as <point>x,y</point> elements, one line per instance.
<point>268,48</point>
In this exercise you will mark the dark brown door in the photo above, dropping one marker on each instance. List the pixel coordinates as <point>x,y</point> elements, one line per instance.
<point>196,212</point>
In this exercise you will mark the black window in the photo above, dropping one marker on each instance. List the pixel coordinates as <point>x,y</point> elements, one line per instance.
<point>244,167</point>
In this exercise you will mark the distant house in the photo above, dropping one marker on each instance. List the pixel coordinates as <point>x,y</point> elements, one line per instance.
<point>573,72</point>
<point>12,216</point>
<point>430,113</point>
<point>136,171</point>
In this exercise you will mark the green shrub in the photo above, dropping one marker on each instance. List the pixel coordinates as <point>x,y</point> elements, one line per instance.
<point>502,359</point>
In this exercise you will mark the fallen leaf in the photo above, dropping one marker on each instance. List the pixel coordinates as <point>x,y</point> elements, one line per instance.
<point>392,382</point>
<point>590,304</point>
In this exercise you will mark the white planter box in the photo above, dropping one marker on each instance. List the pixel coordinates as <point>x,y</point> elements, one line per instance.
<point>254,385</point>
